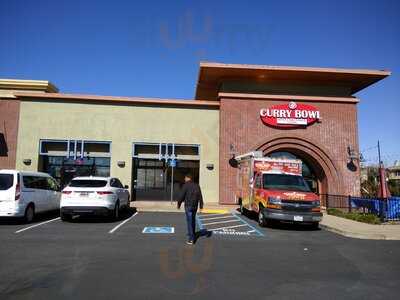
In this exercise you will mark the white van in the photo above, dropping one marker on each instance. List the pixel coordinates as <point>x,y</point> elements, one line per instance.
<point>23,194</point>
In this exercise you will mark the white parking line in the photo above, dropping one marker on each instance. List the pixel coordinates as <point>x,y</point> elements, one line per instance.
<point>210,215</point>
<point>216,218</point>
<point>219,222</point>
<point>227,227</point>
<point>36,225</point>
<point>122,223</point>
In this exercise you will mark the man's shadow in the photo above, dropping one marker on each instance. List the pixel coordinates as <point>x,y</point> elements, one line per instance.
<point>202,233</point>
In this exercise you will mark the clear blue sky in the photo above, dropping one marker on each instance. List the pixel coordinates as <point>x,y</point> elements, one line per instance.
<point>152,48</point>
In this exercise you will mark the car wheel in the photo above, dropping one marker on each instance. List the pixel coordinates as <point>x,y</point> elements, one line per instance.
<point>116,211</point>
<point>64,217</point>
<point>29,214</point>
<point>261,219</point>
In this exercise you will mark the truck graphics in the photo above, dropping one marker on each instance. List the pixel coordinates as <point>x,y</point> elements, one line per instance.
<point>275,189</point>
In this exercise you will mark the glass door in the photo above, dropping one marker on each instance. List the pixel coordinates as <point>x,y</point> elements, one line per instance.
<point>158,170</point>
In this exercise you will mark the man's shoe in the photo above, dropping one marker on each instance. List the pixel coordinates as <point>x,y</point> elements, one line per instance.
<point>189,242</point>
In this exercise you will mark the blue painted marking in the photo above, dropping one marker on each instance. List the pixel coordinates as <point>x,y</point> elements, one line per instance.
<point>251,226</point>
<point>199,223</point>
<point>167,230</point>
<point>256,231</point>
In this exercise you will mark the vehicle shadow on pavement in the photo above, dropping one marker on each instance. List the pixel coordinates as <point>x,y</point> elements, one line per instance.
<point>124,214</point>
<point>289,226</point>
<point>40,217</point>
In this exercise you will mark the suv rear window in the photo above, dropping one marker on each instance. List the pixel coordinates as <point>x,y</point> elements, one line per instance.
<point>88,183</point>
<point>6,181</point>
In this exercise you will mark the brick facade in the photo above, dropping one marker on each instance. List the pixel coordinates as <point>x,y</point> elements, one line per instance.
<point>9,118</point>
<point>323,145</point>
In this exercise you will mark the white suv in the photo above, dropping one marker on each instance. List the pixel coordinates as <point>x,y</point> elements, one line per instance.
<point>23,194</point>
<point>94,195</point>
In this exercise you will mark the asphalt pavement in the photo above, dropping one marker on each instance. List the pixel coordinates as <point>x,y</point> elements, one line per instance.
<point>100,259</point>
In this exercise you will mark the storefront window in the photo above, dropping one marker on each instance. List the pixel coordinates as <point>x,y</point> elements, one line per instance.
<point>66,159</point>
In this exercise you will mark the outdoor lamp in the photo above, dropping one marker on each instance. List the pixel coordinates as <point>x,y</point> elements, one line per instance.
<point>27,161</point>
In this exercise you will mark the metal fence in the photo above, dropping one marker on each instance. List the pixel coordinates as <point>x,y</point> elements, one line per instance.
<point>385,209</point>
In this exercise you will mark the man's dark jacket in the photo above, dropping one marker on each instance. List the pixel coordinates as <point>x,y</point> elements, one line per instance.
<point>191,195</point>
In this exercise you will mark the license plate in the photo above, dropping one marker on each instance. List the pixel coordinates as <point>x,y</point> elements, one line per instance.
<point>298,218</point>
<point>84,194</point>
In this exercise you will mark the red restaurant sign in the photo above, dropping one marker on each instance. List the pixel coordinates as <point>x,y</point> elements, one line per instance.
<point>290,115</point>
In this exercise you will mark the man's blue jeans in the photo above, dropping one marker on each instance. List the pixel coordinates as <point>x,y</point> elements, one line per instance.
<point>191,223</point>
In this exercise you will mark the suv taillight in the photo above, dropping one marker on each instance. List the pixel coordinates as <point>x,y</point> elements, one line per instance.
<point>105,193</point>
<point>17,192</point>
<point>67,192</point>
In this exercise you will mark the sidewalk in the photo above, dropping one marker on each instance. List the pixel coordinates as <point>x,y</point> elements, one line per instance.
<point>166,206</point>
<point>360,230</point>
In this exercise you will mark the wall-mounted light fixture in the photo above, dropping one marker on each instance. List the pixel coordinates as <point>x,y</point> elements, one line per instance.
<point>210,167</point>
<point>121,164</point>
<point>352,153</point>
<point>232,151</point>
<point>27,161</point>
<point>352,156</point>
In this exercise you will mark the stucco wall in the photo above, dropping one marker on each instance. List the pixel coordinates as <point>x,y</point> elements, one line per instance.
<point>123,125</point>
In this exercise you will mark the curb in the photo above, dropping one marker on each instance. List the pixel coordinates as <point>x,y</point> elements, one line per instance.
<point>182,210</point>
<point>355,235</point>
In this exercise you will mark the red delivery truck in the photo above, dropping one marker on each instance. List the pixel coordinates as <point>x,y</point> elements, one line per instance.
<point>275,189</point>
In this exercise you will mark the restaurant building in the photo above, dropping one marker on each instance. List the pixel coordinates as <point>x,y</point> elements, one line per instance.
<point>295,112</point>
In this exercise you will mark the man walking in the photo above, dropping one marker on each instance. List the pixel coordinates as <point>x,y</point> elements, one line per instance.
<point>191,195</point>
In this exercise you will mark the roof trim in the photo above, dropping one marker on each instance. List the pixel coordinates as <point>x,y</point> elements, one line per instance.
<point>212,74</point>
<point>112,99</point>
<point>33,85</point>
<point>292,68</point>
<point>288,97</point>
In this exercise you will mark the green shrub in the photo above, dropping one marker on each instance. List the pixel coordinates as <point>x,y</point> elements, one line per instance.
<point>355,216</point>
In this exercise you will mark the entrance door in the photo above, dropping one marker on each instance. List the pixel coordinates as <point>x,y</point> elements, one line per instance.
<point>158,170</point>
<point>149,180</point>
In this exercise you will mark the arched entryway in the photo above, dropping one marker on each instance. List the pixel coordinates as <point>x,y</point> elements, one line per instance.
<point>319,168</point>
<point>313,175</point>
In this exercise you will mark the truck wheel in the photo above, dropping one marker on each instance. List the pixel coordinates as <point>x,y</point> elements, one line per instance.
<point>242,209</point>
<point>261,218</point>
<point>314,225</point>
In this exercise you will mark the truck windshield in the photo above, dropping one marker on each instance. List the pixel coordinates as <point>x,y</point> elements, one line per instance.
<point>285,182</point>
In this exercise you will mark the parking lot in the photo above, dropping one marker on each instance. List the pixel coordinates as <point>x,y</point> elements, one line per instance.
<point>99,259</point>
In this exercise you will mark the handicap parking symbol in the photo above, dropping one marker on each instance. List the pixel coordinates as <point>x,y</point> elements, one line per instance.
<point>162,230</point>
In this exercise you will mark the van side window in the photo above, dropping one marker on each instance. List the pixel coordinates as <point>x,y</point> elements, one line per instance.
<point>30,182</point>
<point>52,184</point>
<point>35,182</point>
